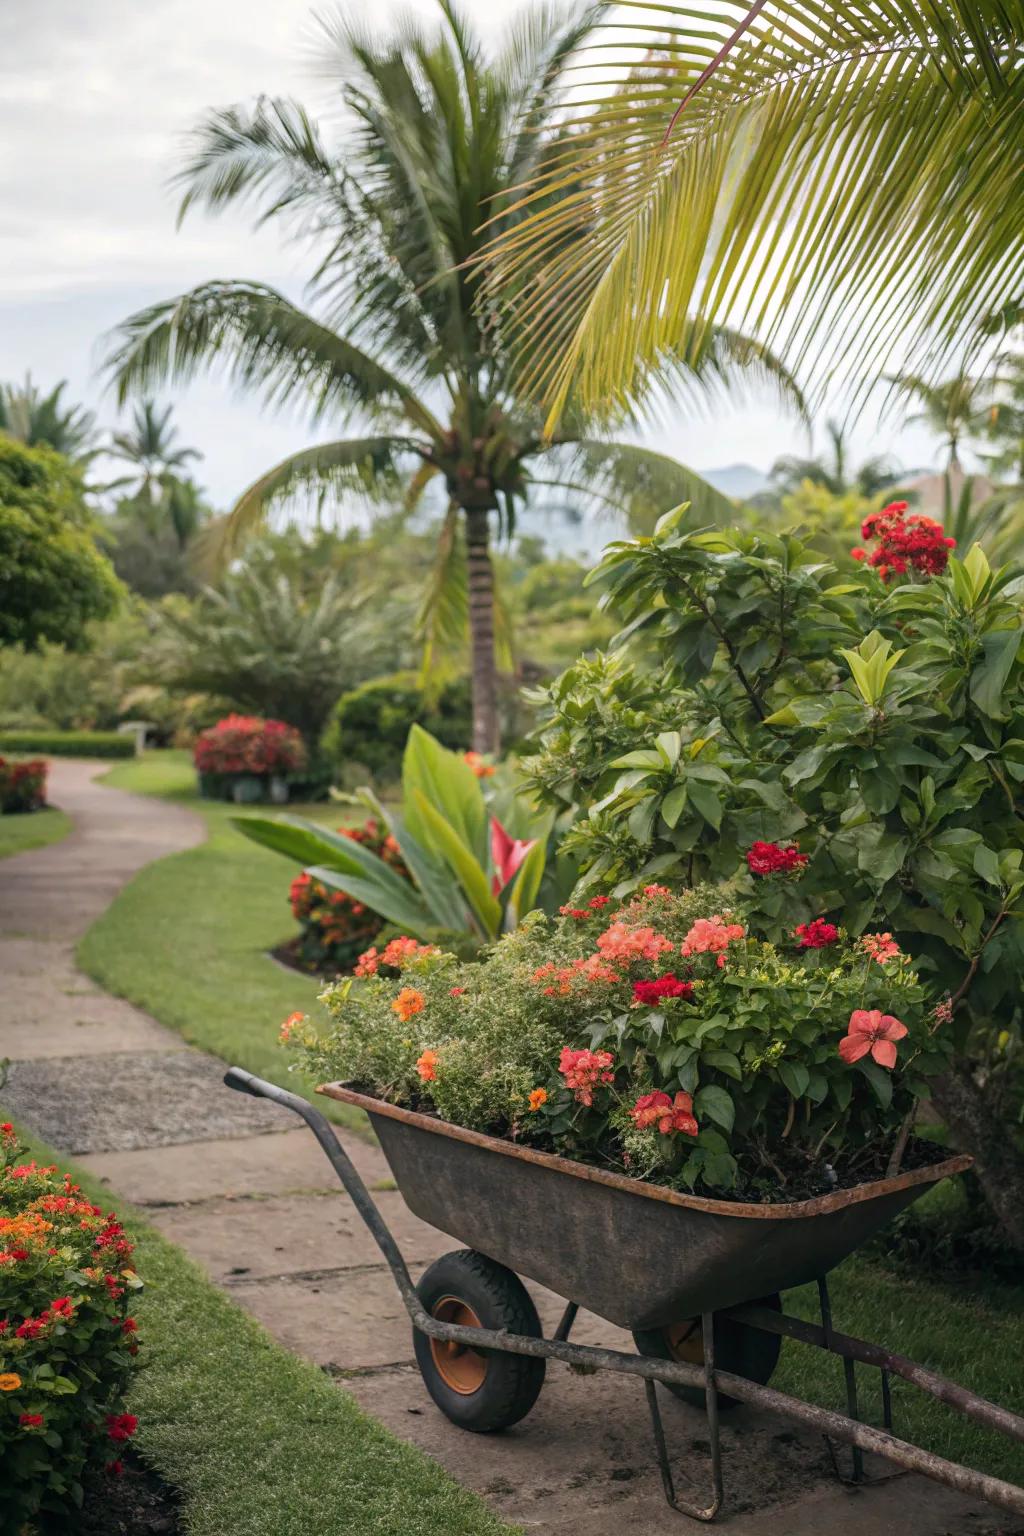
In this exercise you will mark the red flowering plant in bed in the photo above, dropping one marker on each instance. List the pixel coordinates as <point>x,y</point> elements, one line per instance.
<point>68,1341</point>
<point>22,785</point>
<point>335,929</point>
<point>247,744</point>
<point>660,1036</point>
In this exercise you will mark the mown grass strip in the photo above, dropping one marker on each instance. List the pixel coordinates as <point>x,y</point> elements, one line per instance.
<point>35,829</point>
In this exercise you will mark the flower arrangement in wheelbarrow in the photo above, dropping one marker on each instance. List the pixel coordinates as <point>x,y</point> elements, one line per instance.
<point>657,1037</point>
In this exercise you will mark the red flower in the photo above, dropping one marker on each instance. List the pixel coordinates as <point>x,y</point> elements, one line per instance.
<point>31,1420</point>
<point>651,993</point>
<point>121,1426</point>
<point>670,1115</point>
<point>114,1469</point>
<point>771,859</point>
<point>507,854</point>
<point>816,935</point>
<point>599,901</point>
<point>905,542</point>
<point>858,553</point>
<point>874,1031</point>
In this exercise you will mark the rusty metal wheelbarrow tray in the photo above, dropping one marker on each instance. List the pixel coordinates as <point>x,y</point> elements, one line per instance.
<point>637,1254</point>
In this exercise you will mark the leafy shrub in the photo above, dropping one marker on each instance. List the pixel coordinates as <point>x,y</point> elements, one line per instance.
<point>69,743</point>
<point>246,744</point>
<point>336,927</point>
<point>473,877</point>
<point>67,1342</point>
<point>658,1037</point>
<point>22,785</point>
<point>370,725</point>
<point>882,725</point>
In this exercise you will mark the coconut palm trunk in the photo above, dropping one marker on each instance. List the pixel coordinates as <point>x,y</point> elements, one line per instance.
<point>480,582</point>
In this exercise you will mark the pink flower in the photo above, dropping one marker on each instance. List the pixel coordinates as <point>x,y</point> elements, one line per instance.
<point>710,935</point>
<point>622,941</point>
<point>583,1070</point>
<point>816,935</point>
<point>880,946</point>
<point>670,1115</point>
<point>874,1031</point>
<point>507,854</point>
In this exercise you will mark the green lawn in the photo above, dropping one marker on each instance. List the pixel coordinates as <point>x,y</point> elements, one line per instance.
<point>259,1442</point>
<point>187,939</point>
<point>32,830</point>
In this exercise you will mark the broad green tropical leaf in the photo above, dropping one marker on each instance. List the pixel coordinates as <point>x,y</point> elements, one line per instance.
<point>450,787</point>
<point>472,876</point>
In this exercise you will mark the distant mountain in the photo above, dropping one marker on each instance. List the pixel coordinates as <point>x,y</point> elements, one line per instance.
<point>737,480</point>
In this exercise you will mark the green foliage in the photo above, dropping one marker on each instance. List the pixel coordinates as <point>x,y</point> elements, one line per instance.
<point>469,878</point>
<point>40,421</point>
<point>66,1342</point>
<point>53,579</point>
<point>370,724</point>
<point>746,1033</point>
<point>69,743</point>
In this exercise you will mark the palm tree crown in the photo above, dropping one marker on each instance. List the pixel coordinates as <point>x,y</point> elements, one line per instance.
<point>34,418</point>
<point>149,446</point>
<point>832,470</point>
<point>403,344</point>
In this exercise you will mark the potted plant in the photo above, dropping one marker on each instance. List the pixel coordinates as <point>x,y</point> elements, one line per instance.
<point>247,759</point>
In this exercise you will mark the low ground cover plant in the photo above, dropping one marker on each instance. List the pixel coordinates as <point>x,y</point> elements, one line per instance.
<point>660,1036</point>
<point>68,1341</point>
<point>22,785</point>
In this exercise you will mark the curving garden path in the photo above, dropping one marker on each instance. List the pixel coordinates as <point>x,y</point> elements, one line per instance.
<point>255,1202</point>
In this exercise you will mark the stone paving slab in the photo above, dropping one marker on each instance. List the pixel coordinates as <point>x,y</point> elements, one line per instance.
<point>205,1170</point>
<point>127,1099</point>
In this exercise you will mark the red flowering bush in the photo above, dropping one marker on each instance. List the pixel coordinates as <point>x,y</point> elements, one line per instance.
<point>658,1035</point>
<point>246,744</point>
<point>67,1339</point>
<point>335,928</point>
<point>22,785</point>
<point>905,542</point>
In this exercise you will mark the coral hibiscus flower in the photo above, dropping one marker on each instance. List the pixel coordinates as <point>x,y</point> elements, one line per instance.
<point>874,1031</point>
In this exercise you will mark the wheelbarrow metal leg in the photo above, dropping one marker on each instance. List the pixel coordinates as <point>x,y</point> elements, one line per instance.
<point>566,1321</point>
<point>683,1506</point>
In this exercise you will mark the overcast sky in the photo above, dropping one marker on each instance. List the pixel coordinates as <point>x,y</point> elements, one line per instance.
<point>94,100</point>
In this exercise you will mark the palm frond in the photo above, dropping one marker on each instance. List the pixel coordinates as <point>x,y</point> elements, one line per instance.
<point>367,467</point>
<point>266,344</point>
<point>843,184</point>
<point>444,613</point>
<point>643,484</point>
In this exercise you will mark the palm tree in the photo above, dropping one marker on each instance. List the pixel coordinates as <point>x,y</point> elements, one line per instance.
<point>403,343</point>
<point>952,410</point>
<point>833,472</point>
<point>149,446</point>
<point>841,180</point>
<point>34,419</point>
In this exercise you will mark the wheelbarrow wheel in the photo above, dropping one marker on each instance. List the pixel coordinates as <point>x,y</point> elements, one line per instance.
<point>740,1349</point>
<point>479,1390</point>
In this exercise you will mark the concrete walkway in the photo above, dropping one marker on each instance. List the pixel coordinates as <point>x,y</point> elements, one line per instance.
<point>255,1201</point>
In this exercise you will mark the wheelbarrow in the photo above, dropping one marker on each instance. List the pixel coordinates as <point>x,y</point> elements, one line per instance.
<point>697,1281</point>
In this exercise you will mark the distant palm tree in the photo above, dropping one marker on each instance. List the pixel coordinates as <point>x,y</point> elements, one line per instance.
<point>34,419</point>
<point>833,471</point>
<point>952,410</point>
<point>149,446</point>
<point>439,137</point>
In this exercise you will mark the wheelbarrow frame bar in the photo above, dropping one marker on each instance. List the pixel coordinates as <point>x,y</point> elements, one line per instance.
<point>708,1378</point>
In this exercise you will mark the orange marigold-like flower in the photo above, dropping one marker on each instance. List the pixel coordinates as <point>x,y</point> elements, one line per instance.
<point>290,1025</point>
<point>408,1002</point>
<point>426,1066</point>
<point>538,1096</point>
<point>10,1381</point>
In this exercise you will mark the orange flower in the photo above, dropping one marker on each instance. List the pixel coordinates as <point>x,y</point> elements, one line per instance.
<point>711,935</point>
<point>290,1024</point>
<point>427,1066</point>
<point>408,1002</point>
<point>482,769</point>
<point>538,1097</point>
<point>9,1381</point>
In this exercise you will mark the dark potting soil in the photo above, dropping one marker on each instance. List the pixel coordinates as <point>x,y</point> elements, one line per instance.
<point>139,1503</point>
<point>290,955</point>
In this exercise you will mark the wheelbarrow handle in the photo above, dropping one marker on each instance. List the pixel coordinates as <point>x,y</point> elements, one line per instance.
<point>259,1088</point>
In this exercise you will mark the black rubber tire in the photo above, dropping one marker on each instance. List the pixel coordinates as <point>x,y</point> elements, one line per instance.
<point>511,1383</point>
<point>742,1350</point>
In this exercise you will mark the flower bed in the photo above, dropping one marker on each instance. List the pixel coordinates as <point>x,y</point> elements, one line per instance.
<point>67,1341</point>
<point>244,757</point>
<point>22,785</point>
<point>335,928</point>
<point>659,1037</point>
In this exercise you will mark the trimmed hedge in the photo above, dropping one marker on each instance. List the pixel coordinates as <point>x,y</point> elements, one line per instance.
<point>69,743</point>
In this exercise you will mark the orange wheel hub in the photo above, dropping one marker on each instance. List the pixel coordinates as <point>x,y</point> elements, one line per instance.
<point>459,1367</point>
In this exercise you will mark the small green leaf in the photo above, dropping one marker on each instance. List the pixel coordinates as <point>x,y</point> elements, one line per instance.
<point>717,1105</point>
<point>795,1076</point>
